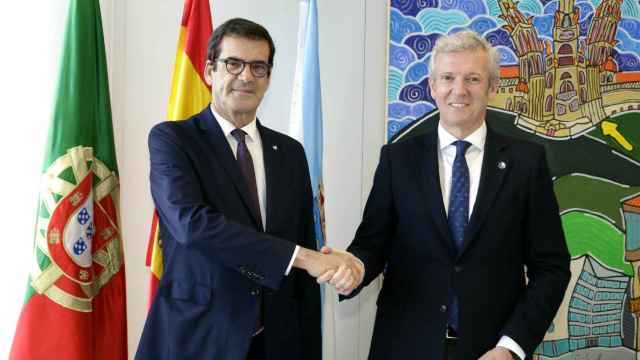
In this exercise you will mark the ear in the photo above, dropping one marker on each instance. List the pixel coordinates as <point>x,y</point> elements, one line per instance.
<point>208,73</point>
<point>432,84</point>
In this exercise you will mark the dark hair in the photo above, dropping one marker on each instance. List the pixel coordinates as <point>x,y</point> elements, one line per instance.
<point>240,28</point>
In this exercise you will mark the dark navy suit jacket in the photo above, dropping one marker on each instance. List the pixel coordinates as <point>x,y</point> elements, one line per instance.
<point>218,262</point>
<point>515,223</point>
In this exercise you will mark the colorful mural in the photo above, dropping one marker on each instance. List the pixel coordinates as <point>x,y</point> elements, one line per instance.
<point>570,80</point>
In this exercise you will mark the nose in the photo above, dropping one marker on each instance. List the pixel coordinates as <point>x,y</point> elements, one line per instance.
<point>246,73</point>
<point>459,87</point>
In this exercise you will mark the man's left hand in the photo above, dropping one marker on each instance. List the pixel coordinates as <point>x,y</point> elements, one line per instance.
<point>497,353</point>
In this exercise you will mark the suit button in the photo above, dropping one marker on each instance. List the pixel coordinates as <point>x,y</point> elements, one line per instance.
<point>443,308</point>
<point>457,268</point>
<point>255,292</point>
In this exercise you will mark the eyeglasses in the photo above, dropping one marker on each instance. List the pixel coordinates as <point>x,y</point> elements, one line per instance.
<point>235,66</point>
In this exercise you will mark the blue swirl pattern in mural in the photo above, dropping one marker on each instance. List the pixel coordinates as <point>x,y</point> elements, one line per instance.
<point>584,25</point>
<point>631,26</point>
<point>438,21</point>
<point>417,72</point>
<point>399,110</point>
<point>507,56</point>
<point>585,9</point>
<point>412,93</point>
<point>470,7</point>
<point>400,57</point>
<point>629,9</point>
<point>544,25</point>
<point>499,37</point>
<point>626,61</point>
<point>401,26</point>
<point>394,84</point>
<point>413,7</point>
<point>550,7</point>
<point>421,44</point>
<point>626,43</point>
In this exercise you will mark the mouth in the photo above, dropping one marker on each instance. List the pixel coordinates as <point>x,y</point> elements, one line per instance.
<point>458,105</point>
<point>243,91</point>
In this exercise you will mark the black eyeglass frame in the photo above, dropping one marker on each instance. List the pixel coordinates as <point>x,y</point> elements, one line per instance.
<point>243,63</point>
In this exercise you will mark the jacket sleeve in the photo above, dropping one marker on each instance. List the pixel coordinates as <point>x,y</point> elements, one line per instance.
<point>547,260</point>
<point>178,196</point>
<point>371,242</point>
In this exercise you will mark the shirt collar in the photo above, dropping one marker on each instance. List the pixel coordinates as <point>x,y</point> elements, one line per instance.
<point>227,126</point>
<point>476,138</point>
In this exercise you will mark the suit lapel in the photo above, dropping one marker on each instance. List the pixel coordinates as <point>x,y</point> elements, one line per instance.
<point>273,173</point>
<point>495,166</point>
<point>224,155</point>
<point>429,180</point>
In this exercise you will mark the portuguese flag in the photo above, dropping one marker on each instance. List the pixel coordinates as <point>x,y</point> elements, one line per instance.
<point>75,304</point>
<point>189,95</point>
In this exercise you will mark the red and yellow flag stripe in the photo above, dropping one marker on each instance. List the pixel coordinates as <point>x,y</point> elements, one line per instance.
<point>189,95</point>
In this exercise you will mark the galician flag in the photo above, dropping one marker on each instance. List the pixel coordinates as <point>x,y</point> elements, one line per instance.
<point>189,95</point>
<point>75,306</point>
<point>306,125</point>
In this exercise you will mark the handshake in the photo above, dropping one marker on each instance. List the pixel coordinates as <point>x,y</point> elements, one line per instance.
<point>339,268</point>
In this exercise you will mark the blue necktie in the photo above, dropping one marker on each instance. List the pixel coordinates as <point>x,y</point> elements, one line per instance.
<point>459,195</point>
<point>458,212</point>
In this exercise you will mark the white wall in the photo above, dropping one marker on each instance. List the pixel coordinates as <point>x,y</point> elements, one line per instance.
<point>352,62</point>
<point>141,38</point>
<point>31,38</point>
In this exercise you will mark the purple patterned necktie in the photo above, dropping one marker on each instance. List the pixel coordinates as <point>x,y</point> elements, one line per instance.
<point>458,216</point>
<point>246,166</point>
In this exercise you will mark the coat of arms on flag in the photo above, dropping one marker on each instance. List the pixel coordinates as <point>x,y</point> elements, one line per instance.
<point>68,233</point>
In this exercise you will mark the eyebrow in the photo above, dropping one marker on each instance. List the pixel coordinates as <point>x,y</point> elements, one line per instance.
<point>452,73</point>
<point>250,61</point>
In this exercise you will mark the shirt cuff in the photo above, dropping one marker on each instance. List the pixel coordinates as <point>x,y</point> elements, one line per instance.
<point>295,253</point>
<point>510,344</point>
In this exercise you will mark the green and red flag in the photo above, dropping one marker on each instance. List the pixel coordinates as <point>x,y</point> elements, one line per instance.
<point>189,95</point>
<point>75,304</point>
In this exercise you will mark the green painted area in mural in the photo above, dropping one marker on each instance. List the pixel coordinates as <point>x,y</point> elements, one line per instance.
<point>590,234</point>
<point>627,129</point>
<point>579,191</point>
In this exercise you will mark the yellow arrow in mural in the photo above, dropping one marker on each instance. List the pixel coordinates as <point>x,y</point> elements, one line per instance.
<point>611,129</point>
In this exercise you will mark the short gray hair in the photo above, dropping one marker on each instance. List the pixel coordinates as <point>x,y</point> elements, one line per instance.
<point>467,40</point>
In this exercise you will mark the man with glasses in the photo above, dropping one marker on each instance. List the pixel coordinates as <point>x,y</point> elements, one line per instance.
<point>235,208</point>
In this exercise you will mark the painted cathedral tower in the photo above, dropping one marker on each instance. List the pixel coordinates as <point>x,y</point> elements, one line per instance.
<point>558,90</point>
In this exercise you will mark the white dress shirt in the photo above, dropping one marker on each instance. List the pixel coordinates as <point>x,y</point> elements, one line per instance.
<point>474,157</point>
<point>254,145</point>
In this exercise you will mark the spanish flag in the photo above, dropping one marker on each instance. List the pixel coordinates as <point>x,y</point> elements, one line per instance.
<point>189,95</point>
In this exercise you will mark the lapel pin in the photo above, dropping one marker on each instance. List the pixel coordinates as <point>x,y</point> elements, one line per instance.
<point>502,165</point>
<point>275,147</point>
